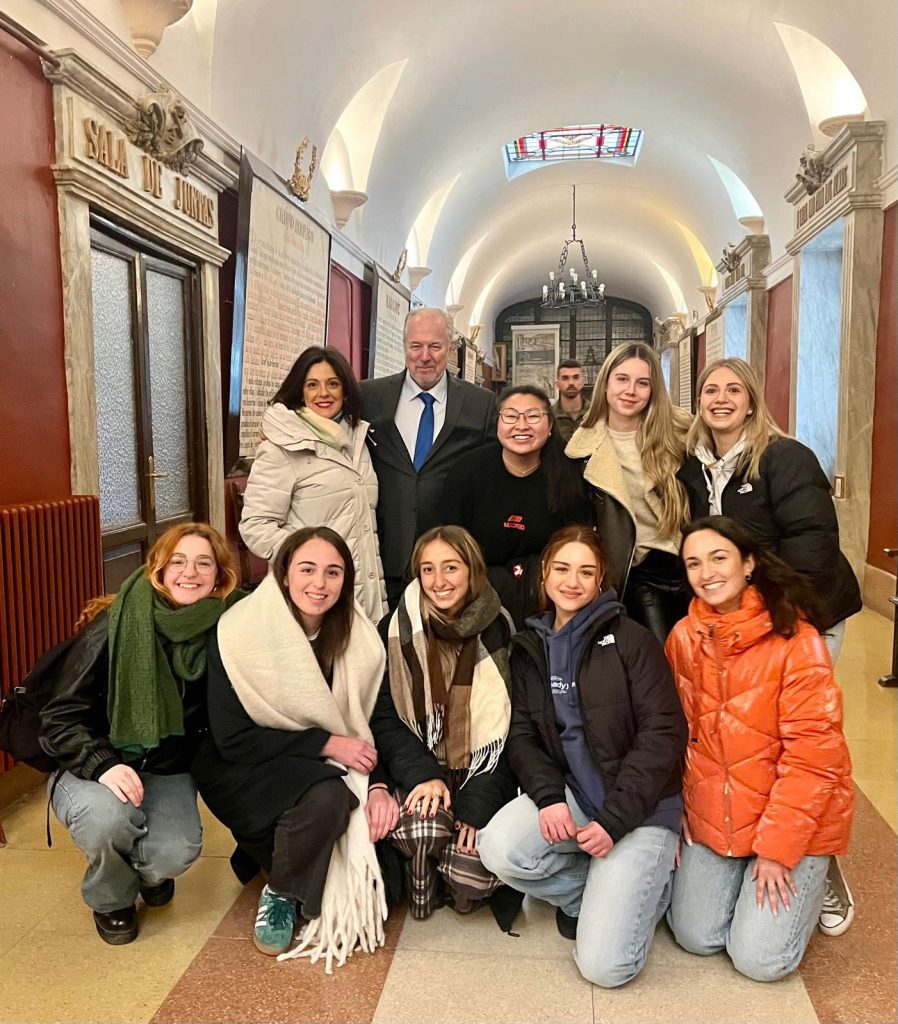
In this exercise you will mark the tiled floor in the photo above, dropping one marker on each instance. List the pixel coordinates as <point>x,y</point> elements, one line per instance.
<point>194,961</point>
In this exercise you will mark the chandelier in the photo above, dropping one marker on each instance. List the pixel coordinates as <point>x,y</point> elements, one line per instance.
<point>582,288</point>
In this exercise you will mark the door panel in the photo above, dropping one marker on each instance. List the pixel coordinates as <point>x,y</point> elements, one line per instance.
<point>169,395</point>
<point>113,297</point>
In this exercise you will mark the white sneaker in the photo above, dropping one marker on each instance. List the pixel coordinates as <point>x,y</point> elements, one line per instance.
<point>838,906</point>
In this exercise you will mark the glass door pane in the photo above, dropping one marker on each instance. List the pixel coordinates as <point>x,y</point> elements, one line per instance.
<point>112,283</point>
<point>169,392</point>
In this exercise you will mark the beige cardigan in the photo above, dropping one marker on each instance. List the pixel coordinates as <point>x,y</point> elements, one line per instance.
<point>299,480</point>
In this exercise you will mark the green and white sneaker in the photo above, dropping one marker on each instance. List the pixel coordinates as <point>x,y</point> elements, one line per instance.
<point>275,922</point>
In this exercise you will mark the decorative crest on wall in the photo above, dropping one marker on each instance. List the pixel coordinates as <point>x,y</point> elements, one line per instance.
<point>728,260</point>
<point>400,265</point>
<point>813,170</point>
<point>301,183</point>
<point>162,128</point>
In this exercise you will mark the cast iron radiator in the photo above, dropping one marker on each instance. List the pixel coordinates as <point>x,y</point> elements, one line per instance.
<point>51,564</point>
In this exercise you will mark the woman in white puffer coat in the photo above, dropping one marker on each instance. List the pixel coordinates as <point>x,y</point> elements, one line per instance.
<point>312,468</point>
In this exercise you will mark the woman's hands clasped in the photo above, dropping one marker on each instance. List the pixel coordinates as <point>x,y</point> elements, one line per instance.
<point>351,753</point>
<point>557,825</point>
<point>425,798</point>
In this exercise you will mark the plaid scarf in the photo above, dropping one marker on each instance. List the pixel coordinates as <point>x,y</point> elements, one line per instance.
<point>468,715</point>
<point>151,646</point>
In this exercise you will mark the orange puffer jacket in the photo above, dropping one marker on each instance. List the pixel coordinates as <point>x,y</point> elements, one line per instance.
<point>767,769</point>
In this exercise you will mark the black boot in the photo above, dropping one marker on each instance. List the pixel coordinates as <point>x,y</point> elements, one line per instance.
<point>567,925</point>
<point>158,895</point>
<point>118,927</point>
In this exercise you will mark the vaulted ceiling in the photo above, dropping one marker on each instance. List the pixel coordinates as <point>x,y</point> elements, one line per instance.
<point>701,78</point>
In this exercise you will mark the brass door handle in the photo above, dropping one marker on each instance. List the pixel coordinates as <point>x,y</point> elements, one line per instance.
<point>153,476</point>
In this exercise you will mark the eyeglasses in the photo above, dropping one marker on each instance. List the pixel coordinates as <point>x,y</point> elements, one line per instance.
<point>532,416</point>
<point>204,565</point>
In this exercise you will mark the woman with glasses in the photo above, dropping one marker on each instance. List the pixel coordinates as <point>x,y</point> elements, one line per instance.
<point>511,497</point>
<point>125,722</point>
<point>312,467</point>
<point>631,444</point>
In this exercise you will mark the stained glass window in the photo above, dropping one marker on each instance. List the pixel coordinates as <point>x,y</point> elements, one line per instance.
<point>579,142</point>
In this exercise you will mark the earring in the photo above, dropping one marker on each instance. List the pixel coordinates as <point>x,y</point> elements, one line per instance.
<point>748,577</point>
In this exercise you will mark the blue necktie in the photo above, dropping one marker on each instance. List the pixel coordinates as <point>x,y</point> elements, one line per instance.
<point>424,440</point>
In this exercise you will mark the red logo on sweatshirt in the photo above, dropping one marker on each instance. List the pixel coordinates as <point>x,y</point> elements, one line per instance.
<point>514,523</point>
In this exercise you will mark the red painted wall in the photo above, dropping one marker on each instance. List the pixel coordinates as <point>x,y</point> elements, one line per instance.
<point>700,354</point>
<point>34,454</point>
<point>779,351</point>
<point>348,318</point>
<point>884,482</point>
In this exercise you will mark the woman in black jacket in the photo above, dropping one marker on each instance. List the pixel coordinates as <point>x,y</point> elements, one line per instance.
<point>741,465</point>
<point>125,720</point>
<point>442,719</point>
<point>512,496</point>
<point>597,739</point>
<point>290,766</point>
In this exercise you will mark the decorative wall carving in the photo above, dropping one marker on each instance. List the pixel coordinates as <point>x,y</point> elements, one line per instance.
<point>301,183</point>
<point>163,128</point>
<point>400,265</point>
<point>729,260</point>
<point>813,170</point>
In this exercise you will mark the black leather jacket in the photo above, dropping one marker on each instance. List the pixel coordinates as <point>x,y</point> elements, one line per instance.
<point>75,724</point>
<point>616,529</point>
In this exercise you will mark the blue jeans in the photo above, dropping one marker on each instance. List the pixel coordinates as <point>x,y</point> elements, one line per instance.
<point>714,907</point>
<point>128,846</point>
<point>618,899</point>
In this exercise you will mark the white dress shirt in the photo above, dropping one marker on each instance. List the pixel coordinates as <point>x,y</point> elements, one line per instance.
<point>410,407</point>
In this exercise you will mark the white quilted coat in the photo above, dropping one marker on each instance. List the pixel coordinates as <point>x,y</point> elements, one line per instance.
<point>299,480</point>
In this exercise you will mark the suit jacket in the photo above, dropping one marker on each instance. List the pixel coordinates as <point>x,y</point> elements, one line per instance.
<point>409,502</point>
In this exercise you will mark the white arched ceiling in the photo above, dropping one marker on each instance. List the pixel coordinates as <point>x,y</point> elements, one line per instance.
<point>698,78</point>
<point>349,151</point>
<point>457,281</point>
<point>421,234</point>
<point>829,89</point>
<point>743,202</point>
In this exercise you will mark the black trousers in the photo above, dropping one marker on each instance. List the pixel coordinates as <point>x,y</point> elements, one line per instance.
<point>657,594</point>
<point>296,852</point>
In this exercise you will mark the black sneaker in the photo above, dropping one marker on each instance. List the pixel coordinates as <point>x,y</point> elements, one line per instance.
<point>158,895</point>
<point>118,927</point>
<point>567,925</point>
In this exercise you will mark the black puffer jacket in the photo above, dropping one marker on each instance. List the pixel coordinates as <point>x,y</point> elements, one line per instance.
<point>632,720</point>
<point>75,724</point>
<point>789,510</point>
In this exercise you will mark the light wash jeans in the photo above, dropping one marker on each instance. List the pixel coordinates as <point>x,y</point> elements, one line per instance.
<point>127,846</point>
<point>714,907</point>
<point>618,898</point>
<point>834,638</point>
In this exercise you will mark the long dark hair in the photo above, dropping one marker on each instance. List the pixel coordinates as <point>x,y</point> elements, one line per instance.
<point>290,393</point>
<point>333,637</point>
<point>787,595</point>
<point>563,482</point>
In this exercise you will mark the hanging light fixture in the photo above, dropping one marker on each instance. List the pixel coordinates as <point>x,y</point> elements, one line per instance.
<point>579,288</point>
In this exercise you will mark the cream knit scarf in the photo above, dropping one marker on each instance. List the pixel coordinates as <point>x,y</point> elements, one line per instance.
<point>275,675</point>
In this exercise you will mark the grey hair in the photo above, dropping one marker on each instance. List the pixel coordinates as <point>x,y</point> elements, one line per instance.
<point>438,314</point>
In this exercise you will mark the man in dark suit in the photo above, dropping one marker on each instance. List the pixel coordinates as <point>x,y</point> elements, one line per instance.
<point>422,420</point>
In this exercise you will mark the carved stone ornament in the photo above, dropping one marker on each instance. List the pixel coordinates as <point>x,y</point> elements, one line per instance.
<point>728,260</point>
<point>163,129</point>
<point>300,183</point>
<point>400,265</point>
<point>813,170</point>
<point>475,330</point>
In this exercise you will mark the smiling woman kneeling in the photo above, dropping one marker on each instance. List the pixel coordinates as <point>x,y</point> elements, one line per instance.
<point>768,777</point>
<point>292,771</point>
<point>596,739</point>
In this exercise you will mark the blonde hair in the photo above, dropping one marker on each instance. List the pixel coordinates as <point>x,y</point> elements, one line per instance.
<point>660,437</point>
<point>760,428</point>
<point>158,558</point>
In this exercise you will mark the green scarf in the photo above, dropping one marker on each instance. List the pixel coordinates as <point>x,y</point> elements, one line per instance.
<point>151,646</point>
